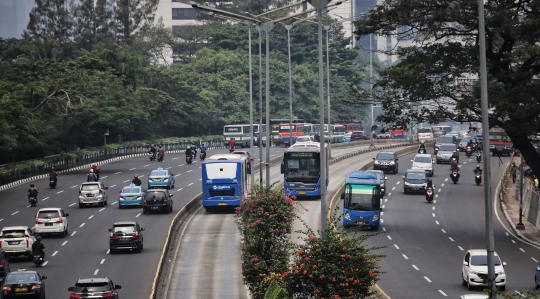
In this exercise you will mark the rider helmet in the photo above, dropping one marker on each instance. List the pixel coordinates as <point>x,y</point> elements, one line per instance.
<point>93,164</point>
<point>477,166</point>
<point>136,176</point>
<point>422,142</point>
<point>38,238</point>
<point>91,171</point>
<point>31,185</point>
<point>52,167</point>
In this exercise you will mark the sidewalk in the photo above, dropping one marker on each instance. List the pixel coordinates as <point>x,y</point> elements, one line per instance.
<point>510,209</point>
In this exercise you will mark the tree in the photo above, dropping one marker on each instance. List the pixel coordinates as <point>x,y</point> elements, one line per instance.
<point>443,64</point>
<point>132,16</point>
<point>94,24</point>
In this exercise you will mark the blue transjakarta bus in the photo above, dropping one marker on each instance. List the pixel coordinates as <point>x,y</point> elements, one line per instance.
<point>361,200</point>
<point>224,180</point>
<point>301,169</point>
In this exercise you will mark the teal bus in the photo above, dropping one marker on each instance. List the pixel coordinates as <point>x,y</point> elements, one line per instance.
<point>361,200</point>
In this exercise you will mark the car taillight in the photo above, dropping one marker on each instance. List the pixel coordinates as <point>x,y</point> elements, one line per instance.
<point>100,190</point>
<point>139,195</point>
<point>149,178</point>
<point>80,191</point>
<point>1,265</point>
<point>73,296</point>
<point>144,201</point>
<point>59,220</point>
<point>27,241</point>
<point>121,196</point>
<point>109,295</point>
<point>36,287</point>
<point>113,237</point>
<point>164,200</point>
<point>6,288</point>
<point>38,222</point>
<point>0,242</point>
<point>136,236</point>
<point>165,179</point>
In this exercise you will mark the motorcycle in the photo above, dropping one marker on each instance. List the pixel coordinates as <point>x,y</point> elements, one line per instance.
<point>52,183</point>
<point>429,194</point>
<point>454,176</point>
<point>436,150</point>
<point>478,178</point>
<point>189,159</point>
<point>478,158</point>
<point>38,259</point>
<point>160,157</point>
<point>152,156</point>
<point>32,199</point>
<point>468,151</point>
<point>421,150</point>
<point>203,156</point>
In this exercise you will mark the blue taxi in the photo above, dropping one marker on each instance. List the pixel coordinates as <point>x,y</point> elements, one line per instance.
<point>161,178</point>
<point>131,196</point>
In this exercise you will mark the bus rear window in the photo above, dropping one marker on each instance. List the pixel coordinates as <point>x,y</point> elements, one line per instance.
<point>221,170</point>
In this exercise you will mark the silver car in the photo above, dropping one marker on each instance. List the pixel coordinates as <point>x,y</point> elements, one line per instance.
<point>424,162</point>
<point>92,193</point>
<point>446,150</point>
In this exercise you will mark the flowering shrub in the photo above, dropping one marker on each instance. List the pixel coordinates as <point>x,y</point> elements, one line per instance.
<point>264,219</point>
<point>337,266</point>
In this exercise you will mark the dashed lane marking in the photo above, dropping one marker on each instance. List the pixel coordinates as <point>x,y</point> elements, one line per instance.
<point>442,185</point>
<point>138,215</point>
<point>45,198</point>
<point>65,242</point>
<point>190,184</point>
<point>513,241</point>
<point>395,245</point>
<point>108,251</point>
<point>521,249</point>
<point>461,248</point>
<point>383,206</point>
<point>175,158</point>
<point>389,194</point>
<point>444,232</point>
<point>82,225</point>
<point>200,179</point>
<point>386,200</point>
<point>181,165</point>
<point>102,261</point>
<point>96,272</point>
<point>54,253</point>
<point>451,239</point>
<point>104,177</point>
<point>114,203</point>
<point>74,186</point>
<point>389,238</point>
<point>176,175</point>
<point>112,186</point>
<point>405,257</point>
<point>28,206</point>
<point>73,233</point>
<point>132,168</point>
<point>446,180</point>
<point>126,181</point>
<point>397,183</point>
<point>179,189</point>
<point>146,165</point>
<point>426,278</point>
<point>91,216</point>
<point>433,208</point>
<point>45,264</point>
<point>14,213</point>
<point>443,293</point>
<point>384,228</point>
<point>101,209</point>
<point>382,221</point>
<point>416,268</point>
<point>532,258</point>
<point>433,214</point>
<point>439,190</point>
<point>59,191</point>
<point>118,172</point>
<point>393,188</point>
<point>436,195</point>
<point>382,213</point>
<point>72,204</point>
<point>190,170</point>
<point>508,235</point>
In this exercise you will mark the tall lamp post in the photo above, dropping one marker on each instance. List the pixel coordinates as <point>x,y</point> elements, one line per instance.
<point>260,108</point>
<point>327,27</point>
<point>248,23</point>
<point>289,27</point>
<point>105,136</point>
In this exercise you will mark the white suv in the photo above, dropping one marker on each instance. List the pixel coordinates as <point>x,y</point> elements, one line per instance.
<point>51,221</point>
<point>92,193</point>
<point>475,270</point>
<point>424,162</point>
<point>17,241</point>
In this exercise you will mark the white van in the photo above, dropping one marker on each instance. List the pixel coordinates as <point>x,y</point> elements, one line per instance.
<point>425,133</point>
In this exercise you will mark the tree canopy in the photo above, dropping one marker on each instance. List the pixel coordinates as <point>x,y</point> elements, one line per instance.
<point>439,71</point>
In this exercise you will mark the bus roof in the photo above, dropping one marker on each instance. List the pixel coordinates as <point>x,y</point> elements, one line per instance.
<point>226,157</point>
<point>361,178</point>
<point>307,144</point>
<point>303,150</point>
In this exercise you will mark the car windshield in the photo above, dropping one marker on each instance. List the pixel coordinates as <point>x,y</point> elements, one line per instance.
<point>128,228</point>
<point>445,140</point>
<point>48,214</point>
<point>158,173</point>
<point>465,140</point>
<point>416,175</point>
<point>90,187</point>
<point>453,133</point>
<point>154,194</point>
<point>422,159</point>
<point>481,260</point>
<point>92,287</point>
<point>130,190</point>
<point>447,148</point>
<point>385,156</point>
<point>7,234</point>
<point>21,277</point>
<point>377,174</point>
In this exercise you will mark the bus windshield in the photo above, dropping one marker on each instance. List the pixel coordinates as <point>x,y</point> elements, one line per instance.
<point>362,198</point>
<point>302,167</point>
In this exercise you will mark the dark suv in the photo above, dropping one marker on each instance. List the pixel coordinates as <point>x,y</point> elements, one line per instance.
<point>4,266</point>
<point>358,136</point>
<point>158,200</point>
<point>94,288</point>
<point>444,139</point>
<point>126,235</point>
<point>386,161</point>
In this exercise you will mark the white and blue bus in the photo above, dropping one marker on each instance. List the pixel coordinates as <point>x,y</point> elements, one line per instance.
<point>301,170</point>
<point>224,180</point>
<point>361,200</point>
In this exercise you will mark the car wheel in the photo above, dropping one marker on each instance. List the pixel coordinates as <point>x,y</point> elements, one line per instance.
<point>503,288</point>
<point>463,281</point>
<point>106,202</point>
<point>138,250</point>
<point>169,210</point>
<point>112,251</point>
<point>66,231</point>
<point>142,245</point>
<point>469,286</point>
<point>144,211</point>
<point>404,191</point>
<point>119,206</point>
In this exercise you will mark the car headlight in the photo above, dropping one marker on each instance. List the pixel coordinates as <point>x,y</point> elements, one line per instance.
<point>392,162</point>
<point>473,272</point>
<point>406,183</point>
<point>382,185</point>
<point>376,162</point>
<point>439,156</point>
<point>375,217</point>
<point>347,216</point>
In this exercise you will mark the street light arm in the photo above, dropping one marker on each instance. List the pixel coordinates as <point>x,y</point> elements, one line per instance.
<point>222,12</point>
<point>281,8</point>
<point>305,12</point>
<point>307,19</point>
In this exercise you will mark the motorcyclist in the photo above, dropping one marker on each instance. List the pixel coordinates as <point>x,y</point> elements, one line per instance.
<point>477,170</point>
<point>136,181</point>
<point>454,167</point>
<point>454,155</point>
<point>188,153</point>
<point>429,184</point>
<point>95,170</point>
<point>53,175</point>
<point>422,147</point>
<point>91,176</point>
<point>231,143</point>
<point>33,191</point>
<point>38,247</point>
<point>161,152</point>
<point>194,149</point>
<point>152,150</point>
<point>202,148</point>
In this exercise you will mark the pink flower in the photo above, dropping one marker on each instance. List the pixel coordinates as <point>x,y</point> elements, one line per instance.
<point>307,210</point>
<point>266,214</point>
<point>254,260</point>
<point>284,230</point>
<point>272,230</point>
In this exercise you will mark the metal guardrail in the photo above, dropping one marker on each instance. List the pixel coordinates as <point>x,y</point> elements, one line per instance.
<point>64,162</point>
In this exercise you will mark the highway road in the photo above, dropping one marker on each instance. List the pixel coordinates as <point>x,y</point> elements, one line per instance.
<point>208,262</point>
<point>426,242</point>
<point>84,253</point>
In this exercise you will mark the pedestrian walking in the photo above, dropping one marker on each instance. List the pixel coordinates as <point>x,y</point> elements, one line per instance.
<point>513,171</point>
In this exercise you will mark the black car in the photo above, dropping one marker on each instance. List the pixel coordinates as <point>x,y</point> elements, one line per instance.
<point>381,177</point>
<point>414,181</point>
<point>126,235</point>
<point>4,266</point>
<point>158,200</point>
<point>24,284</point>
<point>386,161</point>
<point>98,288</point>
<point>358,136</point>
<point>444,139</point>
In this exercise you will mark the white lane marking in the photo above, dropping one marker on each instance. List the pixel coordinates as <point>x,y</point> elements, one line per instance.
<point>442,185</point>
<point>2,219</point>
<point>91,216</point>
<point>384,228</point>
<point>382,213</point>
<point>175,158</point>
<point>141,175</point>
<point>433,208</point>
<point>168,168</point>
<point>416,268</point>
<point>507,234</point>
<point>439,190</point>
<point>383,206</point>
<point>461,248</point>
<point>112,186</point>
<point>532,258</point>
<point>190,184</point>
<point>395,245</point>
<point>406,257</point>
<point>433,214</point>
<point>59,191</point>
<point>132,168</point>
<point>446,180</point>
<point>393,188</point>
<point>73,233</point>
<point>443,293</point>
<point>521,249</point>
<point>54,253</point>
<point>389,194</point>
<point>444,232</point>
<point>101,209</point>
<point>382,221</point>
<point>386,200</point>
<point>114,203</point>
<point>82,225</point>
<point>179,189</point>
<point>464,162</point>
<point>45,264</point>
<point>104,177</point>
<point>176,175</point>
<point>74,186</point>
<point>138,215</point>
<point>28,206</point>
<point>435,201</point>
<point>513,241</point>
<point>96,272</point>
<point>118,172</point>
<point>102,261</point>
<point>190,170</point>
<point>397,183</point>
<point>451,239</point>
<point>108,251</point>
<point>436,195</point>
<point>65,242</point>
<point>426,278</point>
<point>200,179</point>
<point>14,213</point>
<point>146,165</point>
<point>126,181</point>
<point>389,238</point>
<point>45,198</point>
<point>181,165</point>
<point>73,204</point>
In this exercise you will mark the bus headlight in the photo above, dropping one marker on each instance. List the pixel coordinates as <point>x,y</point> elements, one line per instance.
<point>347,216</point>
<point>375,217</point>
